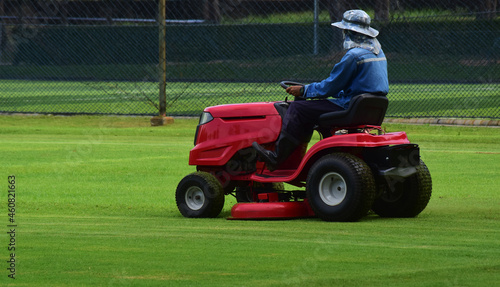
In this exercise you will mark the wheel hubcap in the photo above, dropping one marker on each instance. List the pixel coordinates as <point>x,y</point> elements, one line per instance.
<point>332,189</point>
<point>195,198</point>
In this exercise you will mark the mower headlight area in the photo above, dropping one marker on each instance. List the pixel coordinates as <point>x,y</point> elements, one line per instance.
<point>205,118</point>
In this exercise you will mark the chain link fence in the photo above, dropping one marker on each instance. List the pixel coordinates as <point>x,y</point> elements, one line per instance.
<point>103,57</point>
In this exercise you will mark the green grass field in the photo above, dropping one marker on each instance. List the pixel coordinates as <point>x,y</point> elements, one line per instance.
<point>188,98</point>
<point>95,207</point>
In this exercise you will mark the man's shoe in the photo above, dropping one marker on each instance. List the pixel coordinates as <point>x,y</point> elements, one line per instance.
<point>267,156</point>
<point>284,147</point>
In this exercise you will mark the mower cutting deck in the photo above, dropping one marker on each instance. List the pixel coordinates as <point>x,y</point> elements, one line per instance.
<point>272,210</point>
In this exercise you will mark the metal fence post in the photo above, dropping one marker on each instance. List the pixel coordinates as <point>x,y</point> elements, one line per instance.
<point>162,57</point>
<point>316,24</point>
<point>162,119</point>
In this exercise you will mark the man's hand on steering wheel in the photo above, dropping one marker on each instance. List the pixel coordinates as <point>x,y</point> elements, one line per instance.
<point>295,91</point>
<point>293,88</point>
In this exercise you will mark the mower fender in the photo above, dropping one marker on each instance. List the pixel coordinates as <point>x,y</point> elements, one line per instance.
<point>347,140</point>
<point>364,140</point>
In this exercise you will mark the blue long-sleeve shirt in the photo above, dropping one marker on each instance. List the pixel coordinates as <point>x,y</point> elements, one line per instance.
<point>360,71</point>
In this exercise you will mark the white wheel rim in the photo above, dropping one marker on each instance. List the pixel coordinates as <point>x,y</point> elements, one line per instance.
<point>195,198</point>
<point>332,189</point>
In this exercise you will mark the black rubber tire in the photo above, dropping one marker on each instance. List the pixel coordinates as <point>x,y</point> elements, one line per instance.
<point>405,197</point>
<point>199,194</point>
<point>245,194</point>
<point>340,187</point>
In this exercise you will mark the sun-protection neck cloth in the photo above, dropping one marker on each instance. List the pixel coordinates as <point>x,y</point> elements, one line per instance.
<point>356,40</point>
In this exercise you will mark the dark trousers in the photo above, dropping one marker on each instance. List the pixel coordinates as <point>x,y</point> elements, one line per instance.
<point>302,116</point>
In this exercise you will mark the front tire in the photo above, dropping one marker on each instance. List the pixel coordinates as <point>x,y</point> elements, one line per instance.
<point>405,197</point>
<point>199,194</point>
<point>340,187</point>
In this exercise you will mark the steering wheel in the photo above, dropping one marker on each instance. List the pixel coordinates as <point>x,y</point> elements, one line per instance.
<point>286,84</point>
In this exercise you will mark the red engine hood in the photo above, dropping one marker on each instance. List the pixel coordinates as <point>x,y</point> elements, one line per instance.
<point>242,110</point>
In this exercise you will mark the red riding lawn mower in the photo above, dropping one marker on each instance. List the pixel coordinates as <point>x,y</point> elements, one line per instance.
<point>355,167</point>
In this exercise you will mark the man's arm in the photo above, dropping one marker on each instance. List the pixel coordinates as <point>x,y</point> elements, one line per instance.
<point>339,80</point>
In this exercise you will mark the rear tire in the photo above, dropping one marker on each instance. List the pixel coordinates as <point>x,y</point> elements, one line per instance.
<point>405,197</point>
<point>199,194</point>
<point>340,187</point>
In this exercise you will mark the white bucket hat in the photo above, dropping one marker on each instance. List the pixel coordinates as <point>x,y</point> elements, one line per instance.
<point>357,21</point>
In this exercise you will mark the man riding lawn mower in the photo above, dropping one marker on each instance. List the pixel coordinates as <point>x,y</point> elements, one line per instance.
<point>249,150</point>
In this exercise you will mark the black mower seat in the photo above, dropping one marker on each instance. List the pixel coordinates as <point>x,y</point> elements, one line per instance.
<point>364,109</point>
